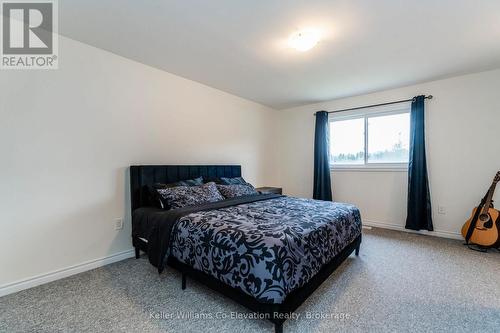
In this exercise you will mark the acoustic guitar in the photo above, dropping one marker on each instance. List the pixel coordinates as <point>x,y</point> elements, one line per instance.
<point>484,221</point>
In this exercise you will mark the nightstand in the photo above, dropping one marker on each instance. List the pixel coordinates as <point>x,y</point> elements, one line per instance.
<point>265,190</point>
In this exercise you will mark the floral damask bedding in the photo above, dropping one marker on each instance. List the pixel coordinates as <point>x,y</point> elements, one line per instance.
<point>266,248</point>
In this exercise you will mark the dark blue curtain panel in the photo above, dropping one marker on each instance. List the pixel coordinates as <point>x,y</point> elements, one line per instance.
<point>322,183</point>
<point>419,214</point>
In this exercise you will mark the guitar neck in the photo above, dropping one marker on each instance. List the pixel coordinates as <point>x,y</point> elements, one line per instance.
<point>489,198</point>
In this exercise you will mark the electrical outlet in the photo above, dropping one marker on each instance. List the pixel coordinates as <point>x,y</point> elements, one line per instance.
<point>118,223</point>
<point>442,210</point>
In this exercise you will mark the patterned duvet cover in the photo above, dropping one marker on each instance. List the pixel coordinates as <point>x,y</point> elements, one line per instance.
<point>265,248</point>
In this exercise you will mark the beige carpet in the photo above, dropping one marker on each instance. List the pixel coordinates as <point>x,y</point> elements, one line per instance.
<point>400,283</point>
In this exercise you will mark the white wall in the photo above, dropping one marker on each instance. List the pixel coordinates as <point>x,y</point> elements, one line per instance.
<point>67,137</point>
<point>463,151</point>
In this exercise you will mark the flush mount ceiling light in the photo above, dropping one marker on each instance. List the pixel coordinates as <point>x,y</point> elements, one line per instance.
<point>304,40</point>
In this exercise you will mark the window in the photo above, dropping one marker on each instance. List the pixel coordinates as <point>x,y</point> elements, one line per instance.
<point>370,140</point>
<point>347,141</point>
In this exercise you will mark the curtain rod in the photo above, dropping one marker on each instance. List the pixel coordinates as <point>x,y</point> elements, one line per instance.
<point>381,104</point>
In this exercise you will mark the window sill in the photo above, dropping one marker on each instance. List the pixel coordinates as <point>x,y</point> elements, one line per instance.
<point>370,168</point>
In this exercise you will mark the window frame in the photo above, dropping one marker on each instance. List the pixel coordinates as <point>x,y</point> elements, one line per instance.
<point>366,114</point>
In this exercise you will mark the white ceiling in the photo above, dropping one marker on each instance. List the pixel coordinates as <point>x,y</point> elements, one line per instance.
<point>239,46</point>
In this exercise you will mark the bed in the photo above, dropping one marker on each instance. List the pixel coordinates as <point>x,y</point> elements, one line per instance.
<point>267,252</point>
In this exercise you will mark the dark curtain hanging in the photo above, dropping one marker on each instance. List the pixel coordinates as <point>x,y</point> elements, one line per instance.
<point>419,214</point>
<point>322,186</point>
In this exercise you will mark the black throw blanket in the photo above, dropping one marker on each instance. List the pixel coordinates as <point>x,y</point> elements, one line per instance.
<point>156,224</point>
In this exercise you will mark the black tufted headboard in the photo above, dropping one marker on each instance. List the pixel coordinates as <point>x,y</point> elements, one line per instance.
<point>143,175</point>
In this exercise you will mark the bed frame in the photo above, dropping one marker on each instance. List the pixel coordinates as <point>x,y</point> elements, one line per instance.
<point>142,176</point>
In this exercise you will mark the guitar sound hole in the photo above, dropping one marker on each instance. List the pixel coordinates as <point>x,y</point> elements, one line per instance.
<point>484,217</point>
<point>486,222</point>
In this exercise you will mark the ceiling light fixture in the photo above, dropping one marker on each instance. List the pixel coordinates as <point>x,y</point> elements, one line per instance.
<point>304,40</point>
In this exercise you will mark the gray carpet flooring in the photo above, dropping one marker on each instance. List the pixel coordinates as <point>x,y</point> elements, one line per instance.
<point>400,283</point>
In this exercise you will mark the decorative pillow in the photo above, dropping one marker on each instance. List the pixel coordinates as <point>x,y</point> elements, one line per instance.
<point>181,196</point>
<point>233,191</point>
<point>189,182</point>
<point>232,181</point>
<point>162,203</point>
<point>154,197</point>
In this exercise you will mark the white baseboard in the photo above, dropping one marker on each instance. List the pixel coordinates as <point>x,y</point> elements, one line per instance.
<point>88,265</point>
<point>64,272</point>
<point>392,226</point>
